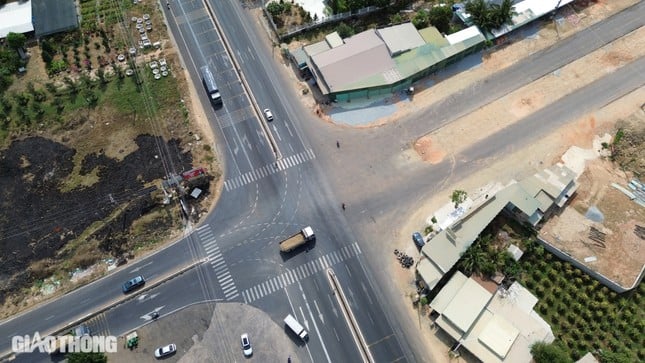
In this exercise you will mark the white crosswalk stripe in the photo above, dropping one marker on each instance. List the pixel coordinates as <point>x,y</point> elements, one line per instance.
<point>217,261</point>
<point>266,170</point>
<point>298,273</point>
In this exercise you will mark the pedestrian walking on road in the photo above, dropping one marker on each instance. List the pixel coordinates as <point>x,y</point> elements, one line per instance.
<point>343,206</point>
<point>338,144</point>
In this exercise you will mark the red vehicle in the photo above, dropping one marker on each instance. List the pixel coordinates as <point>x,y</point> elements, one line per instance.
<point>193,173</point>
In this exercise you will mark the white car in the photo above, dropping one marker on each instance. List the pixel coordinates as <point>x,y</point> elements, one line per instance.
<point>268,115</point>
<point>165,351</point>
<point>246,345</point>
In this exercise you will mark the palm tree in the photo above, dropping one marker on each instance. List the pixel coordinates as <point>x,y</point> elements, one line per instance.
<point>473,259</point>
<point>478,10</point>
<point>490,16</point>
<point>506,11</point>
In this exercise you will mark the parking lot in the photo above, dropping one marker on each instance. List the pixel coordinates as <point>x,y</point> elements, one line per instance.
<point>210,332</point>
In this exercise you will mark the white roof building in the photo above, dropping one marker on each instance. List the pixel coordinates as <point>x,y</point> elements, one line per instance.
<point>496,328</point>
<point>15,17</point>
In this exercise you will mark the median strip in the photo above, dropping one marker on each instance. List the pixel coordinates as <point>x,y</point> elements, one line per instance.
<point>6,356</point>
<point>349,316</point>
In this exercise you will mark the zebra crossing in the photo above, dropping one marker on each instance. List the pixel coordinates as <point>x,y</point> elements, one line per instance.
<point>216,259</point>
<point>259,173</point>
<point>98,325</point>
<point>300,272</point>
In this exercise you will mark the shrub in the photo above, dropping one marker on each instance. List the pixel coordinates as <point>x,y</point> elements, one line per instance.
<point>420,21</point>
<point>607,356</point>
<point>440,17</point>
<point>344,30</point>
<point>549,353</point>
<point>57,66</point>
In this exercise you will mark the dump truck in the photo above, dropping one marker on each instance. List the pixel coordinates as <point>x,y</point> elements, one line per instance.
<point>298,239</point>
<point>295,326</point>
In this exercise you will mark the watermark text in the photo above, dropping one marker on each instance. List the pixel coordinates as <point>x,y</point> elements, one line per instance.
<point>63,344</point>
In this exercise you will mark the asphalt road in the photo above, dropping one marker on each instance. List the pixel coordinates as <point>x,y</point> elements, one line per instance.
<point>263,201</point>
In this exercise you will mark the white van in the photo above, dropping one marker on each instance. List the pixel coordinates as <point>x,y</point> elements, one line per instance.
<point>295,326</point>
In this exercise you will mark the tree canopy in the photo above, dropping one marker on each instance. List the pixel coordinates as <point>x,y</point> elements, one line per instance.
<point>458,197</point>
<point>549,353</point>
<point>16,40</point>
<point>440,17</point>
<point>421,20</point>
<point>344,30</point>
<point>489,16</point>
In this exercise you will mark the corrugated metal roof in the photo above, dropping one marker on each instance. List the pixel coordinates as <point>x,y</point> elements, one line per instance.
<point>316,48</point>
<point>364,60</point>
<point>432,36</point>
<point>429,273</point>
<point>516,195</point>
<point>52,17</point>
<point>334,40</point>
<point>299,56</point>
<point>467,304</point>
<point>443,252</point>
<point>15,17</point>
<point>363,55</point>
<point>445,249</point>
<point>400,38</point>
<point>448,292</point>
<point>498,335</point>
<point>463,35</point>
<point>587,358</point>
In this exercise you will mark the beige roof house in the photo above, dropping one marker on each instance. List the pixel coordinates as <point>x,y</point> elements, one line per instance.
<point>499,327</point>
<point>361,56</point>
<point>400,38</point>
<point>528,200</point>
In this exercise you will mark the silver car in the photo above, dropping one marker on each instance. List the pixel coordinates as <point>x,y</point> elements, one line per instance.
<point>165,351</point>
<point>268,115</point>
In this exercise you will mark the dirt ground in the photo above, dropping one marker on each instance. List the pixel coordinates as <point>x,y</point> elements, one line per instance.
<point>618,254</point>
<point>528,161</point>
<point>526,100</point>
<point>93,184</point>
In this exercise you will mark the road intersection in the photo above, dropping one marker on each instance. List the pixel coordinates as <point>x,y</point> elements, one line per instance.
<point>264,200</point>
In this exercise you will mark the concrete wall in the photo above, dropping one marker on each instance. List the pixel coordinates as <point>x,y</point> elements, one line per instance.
<point>602,278</point>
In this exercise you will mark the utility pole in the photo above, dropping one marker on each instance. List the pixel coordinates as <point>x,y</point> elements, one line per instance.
<point>555,22</point>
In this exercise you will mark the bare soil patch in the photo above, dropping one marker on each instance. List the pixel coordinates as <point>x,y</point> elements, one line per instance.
<point>620,256</point>
<point>429,150</point>
<point>84,184</point>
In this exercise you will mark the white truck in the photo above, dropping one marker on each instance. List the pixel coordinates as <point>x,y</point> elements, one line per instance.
<point>295,326</point>
<point>210,85</point>
<point>298,239</point>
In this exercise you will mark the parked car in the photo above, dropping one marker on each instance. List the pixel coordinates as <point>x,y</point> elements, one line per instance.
<point>418,239</point>
<point>81,330</point>
<point>246,345</point>
<point>268,115</point>
<point>133,283</point>
<point>165,351</point>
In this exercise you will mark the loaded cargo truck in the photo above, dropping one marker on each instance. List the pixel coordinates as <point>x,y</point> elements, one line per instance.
<point>295,326</point>
<point>298,239</point>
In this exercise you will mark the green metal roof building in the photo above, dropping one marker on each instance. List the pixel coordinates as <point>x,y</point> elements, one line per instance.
<point>386,60</point>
